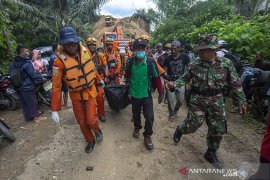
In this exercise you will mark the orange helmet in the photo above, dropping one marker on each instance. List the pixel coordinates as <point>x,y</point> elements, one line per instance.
<point>109,41</point>
<point>146,37</point>
<point>91,41</point>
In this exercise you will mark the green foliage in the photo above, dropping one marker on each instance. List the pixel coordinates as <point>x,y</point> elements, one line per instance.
<point>193,14</point>
<point>244,36</point>
<point>37,22</point>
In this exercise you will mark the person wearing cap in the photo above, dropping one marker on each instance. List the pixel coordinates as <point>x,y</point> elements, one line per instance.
<point>75,66</point>
<point>142,75</point>
<point>160,61</point>
<point>149,54</point>
<point>160,51</point>
<point>167,53</point>
<point>223,52</point>
<point>113,61</point>
<point>101,66</point>
<point>221,48</point>
<point>175,65</point>
<point>208,76</point>
<point>127,55</point>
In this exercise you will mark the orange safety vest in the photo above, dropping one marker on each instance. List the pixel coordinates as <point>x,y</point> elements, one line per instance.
<point>79,75</point>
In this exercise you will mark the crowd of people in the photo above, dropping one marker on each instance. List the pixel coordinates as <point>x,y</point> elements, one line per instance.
<point>170,70</point>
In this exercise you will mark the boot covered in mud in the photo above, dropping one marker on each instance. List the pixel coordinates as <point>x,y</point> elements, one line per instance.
<point>148,143</point>
<point>211,157</point>
<point>177,135</point>
<point>90,147</point>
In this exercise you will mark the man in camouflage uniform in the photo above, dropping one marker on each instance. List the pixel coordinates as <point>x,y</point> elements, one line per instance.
<point>209,75</point>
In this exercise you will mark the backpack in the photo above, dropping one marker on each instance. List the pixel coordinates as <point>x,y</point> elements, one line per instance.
<point>16,75</point>
<point>235,60</point>
<point>149,62</point>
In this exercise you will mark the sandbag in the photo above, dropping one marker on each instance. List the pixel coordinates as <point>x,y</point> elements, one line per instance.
<point>117,96</point>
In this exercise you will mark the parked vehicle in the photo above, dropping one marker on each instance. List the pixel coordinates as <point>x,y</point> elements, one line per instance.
<point>9,98</point>
<point>44,92</point>
<point>5,132</point>
<point>46,52</point>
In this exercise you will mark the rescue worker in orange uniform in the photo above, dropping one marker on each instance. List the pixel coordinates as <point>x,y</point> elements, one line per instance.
<point>113,62</point>
<point>99,60</point>
<point>127,55</point>
<point>75,66</point>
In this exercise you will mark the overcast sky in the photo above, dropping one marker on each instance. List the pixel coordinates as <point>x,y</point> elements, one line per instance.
<point>124,8</point>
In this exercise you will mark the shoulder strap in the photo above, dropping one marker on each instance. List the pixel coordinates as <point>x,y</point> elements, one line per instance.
<point>96,59</point>
<point>150,61</point>
<point>130,64</point>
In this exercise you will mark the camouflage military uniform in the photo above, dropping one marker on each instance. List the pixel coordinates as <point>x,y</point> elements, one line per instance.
<point>208,79</point>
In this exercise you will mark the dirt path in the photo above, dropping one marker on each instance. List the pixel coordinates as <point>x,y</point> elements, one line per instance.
<point>48,152</point>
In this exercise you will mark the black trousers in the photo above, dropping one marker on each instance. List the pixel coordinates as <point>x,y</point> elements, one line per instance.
<point>147,105</point>
<point>29,104</point>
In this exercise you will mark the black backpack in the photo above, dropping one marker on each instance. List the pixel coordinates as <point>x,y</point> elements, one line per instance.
<point>235,60</point>
<point>149,62</point>
<point>16,75</point>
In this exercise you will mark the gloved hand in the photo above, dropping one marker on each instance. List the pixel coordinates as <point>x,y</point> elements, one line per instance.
<point>55,117</point>
<point>160,97</point>
<point>101,84</point>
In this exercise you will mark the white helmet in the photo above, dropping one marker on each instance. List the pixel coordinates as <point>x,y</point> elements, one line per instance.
<point>222,43</point>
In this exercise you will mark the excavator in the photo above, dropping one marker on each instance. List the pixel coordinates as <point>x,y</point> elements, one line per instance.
<point>119,41</point>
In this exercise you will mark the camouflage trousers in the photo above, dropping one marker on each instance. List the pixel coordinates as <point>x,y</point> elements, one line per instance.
<point>210,109</point>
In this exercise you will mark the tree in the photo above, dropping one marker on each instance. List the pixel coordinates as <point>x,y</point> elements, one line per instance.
<point>37,22</point>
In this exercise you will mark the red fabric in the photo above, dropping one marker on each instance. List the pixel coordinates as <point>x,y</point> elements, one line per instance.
<point>159,84</point>
<point>112,71</point>
<point>100,101</point>
<point>265,149</point>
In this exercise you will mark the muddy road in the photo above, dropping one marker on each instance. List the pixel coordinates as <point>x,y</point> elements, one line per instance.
<point>45,151</point>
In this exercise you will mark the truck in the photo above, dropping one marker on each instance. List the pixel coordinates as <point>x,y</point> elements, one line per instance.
<point>109,21</point>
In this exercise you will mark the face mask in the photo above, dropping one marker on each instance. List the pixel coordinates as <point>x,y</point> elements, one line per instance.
<point>168,51</point>
<point>140,54</point>
<point>92,49</point>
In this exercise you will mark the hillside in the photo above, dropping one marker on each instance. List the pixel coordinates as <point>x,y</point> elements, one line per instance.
<point>129,27</point>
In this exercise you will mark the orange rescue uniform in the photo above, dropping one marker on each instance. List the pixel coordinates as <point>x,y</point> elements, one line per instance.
<point>118,68</point>
<point>160,69</point>
<point>124,63</point>
<point>82,80</point>
<point>100,63</point>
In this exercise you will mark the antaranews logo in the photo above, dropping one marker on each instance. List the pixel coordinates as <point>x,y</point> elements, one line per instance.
<point>183,171</point>
<point>224,172</point>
